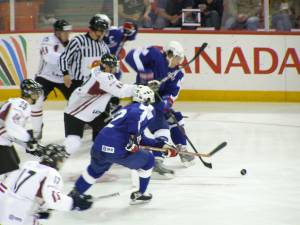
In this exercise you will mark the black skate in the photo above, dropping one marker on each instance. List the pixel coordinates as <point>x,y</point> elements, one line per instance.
<point>139,198</point>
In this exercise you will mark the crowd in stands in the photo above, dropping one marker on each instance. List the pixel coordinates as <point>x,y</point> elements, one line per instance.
<point>217,14</point>
<point>166,14</point>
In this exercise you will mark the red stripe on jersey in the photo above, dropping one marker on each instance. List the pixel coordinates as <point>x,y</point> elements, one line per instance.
<point>2,132</point>
<point>36,115</point>
<point>3,186</point>
<point>83,108</point>
<point>86,102</point>
<point>95,89</point>
<point>1,190</point>
<point>54,196</point>
<point>4,113</point>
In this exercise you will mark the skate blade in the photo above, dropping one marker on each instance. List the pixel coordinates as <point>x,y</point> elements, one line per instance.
<point>166,176</point>
<point>139,202</point>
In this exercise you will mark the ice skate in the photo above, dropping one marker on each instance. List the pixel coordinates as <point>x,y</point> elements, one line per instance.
<point>161,172</point>
<point>139,198</point>
<point>187,160</point>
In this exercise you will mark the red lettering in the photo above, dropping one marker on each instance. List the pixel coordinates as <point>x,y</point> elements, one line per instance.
<point>122,55</point>
<point>216,67</point>
<point>258,61</point>
<point>242,61</point>
<point>291,52</point>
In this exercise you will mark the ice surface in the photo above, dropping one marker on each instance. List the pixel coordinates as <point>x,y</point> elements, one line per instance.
<point>262,138</point>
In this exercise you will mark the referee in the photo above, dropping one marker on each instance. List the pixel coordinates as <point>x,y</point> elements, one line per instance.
<point>82,52</point>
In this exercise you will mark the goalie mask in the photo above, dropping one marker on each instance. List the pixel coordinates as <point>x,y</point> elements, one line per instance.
<point>143,94</point>
<point>175,53</point>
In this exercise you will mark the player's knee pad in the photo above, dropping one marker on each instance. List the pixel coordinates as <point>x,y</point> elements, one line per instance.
<point>72,143</point>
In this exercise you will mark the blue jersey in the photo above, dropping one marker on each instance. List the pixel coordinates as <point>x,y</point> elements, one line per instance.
<point>114,38</point>
<point>151,64</point>
<point>131,120</point>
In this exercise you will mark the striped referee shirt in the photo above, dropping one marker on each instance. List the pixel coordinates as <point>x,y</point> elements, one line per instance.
<point>79,56</point>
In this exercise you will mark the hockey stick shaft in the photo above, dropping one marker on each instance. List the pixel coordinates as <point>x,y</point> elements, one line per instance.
<point>115,194</point>
<point>173,74</point>
<point>206,164</point>
<point>209,154</point>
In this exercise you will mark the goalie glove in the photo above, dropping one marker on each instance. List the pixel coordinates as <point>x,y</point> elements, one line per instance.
<point>132,145</point>
<point>154,85</point>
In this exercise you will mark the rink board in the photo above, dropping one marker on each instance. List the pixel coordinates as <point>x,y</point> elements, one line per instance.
<point>234,67</point>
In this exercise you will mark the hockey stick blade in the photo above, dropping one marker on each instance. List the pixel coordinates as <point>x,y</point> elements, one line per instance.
<point>218,148</point>
<point>201,49</point>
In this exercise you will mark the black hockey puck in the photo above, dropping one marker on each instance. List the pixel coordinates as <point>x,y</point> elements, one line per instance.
<point>243,171</point>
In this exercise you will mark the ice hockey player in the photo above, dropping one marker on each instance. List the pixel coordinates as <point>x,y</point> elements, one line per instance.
<point>152,65</point>
<point>119,141</point>
<point>115,39</point>
<point>87,103</point>
<point>14,117</point>
<point>49,74</point>
<point>37,185</point>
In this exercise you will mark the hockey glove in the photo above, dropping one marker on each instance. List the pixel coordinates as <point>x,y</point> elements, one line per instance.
<point>31,145</point>
<point>154,85</point>
<point>168,103</point>
<point>132,145</point>
<point>130,29</point>
<point>80,201</point>
<point>171,150</point>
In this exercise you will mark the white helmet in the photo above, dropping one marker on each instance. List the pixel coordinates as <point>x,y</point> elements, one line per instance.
<point>143,94</point>
<point>176,48</point>
<point>104,17</point>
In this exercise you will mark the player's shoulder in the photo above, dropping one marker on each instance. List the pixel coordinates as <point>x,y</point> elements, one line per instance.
<point>20,104</point>
<point>50,39</point>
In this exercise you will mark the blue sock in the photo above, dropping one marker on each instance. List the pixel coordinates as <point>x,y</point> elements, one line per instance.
<point>177,136</point>
<point>82,185</point>
<point>144,184</point>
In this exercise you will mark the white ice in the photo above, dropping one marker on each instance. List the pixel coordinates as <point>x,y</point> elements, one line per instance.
<point>262,138</point>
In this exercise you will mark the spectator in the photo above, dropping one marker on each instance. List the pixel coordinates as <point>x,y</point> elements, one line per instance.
<point>136,11</point>
<point>246,15</point>
<point>169,12</point>
<point>281,20</point>
<point>211,12</point>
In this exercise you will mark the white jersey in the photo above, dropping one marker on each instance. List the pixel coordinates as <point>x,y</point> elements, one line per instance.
<point>25,190</point>
<point>50,51</point>
<point>14,116</point>
<point>90,100</point>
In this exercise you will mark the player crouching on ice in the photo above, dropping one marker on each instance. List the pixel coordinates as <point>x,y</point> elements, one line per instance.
<point>35,185</point>
<point>14,118</point>
<point>119,142</point>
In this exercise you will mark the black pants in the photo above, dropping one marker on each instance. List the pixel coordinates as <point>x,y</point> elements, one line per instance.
<point>48,86</point>
<point>75,126</point>
<point>9,159</point>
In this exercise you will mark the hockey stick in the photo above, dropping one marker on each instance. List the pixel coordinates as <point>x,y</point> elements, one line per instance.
<point>206,164</point>
<point>124,39</point>
<point>173,74</point>
<point>209,154</point>
<point>115,194</point>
